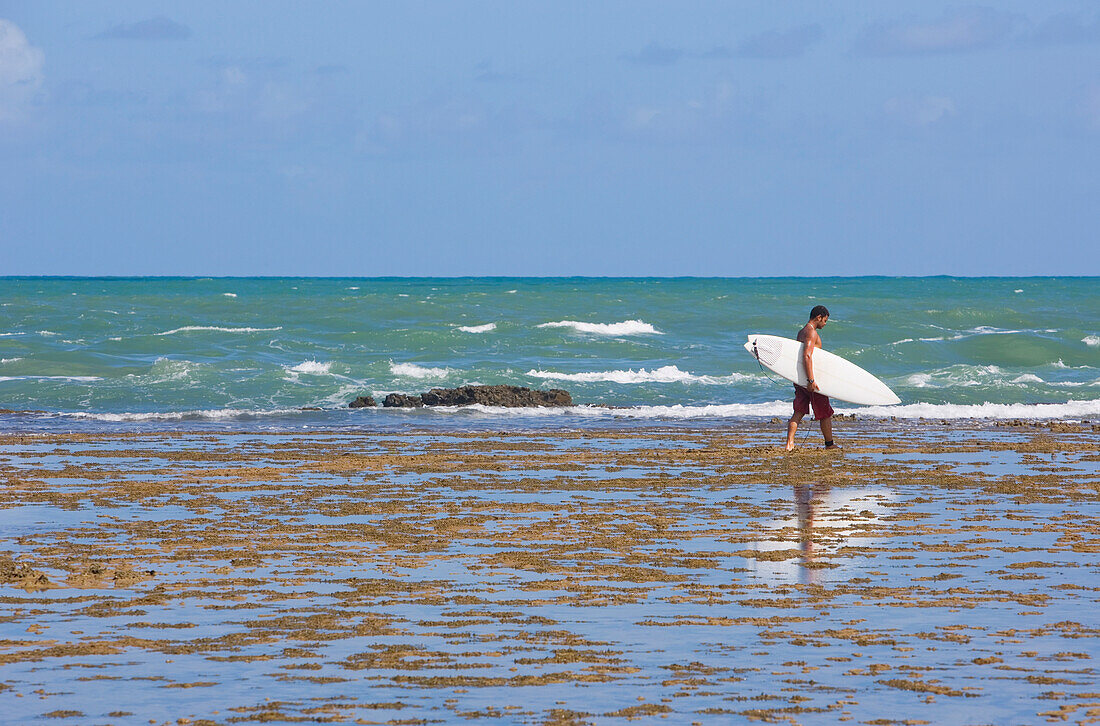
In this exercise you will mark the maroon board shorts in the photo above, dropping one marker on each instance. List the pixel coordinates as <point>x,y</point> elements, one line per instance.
<point>803,399</point>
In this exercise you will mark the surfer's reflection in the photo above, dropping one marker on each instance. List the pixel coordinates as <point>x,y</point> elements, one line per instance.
<point>805,497</point>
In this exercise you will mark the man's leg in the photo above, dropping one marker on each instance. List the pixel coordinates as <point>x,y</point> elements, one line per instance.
<point>823,412</point>
<point>792,426</point>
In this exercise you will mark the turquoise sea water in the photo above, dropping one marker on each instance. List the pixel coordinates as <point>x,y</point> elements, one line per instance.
<point>254,351</point>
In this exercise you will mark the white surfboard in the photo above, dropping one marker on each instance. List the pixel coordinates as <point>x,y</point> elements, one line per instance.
<point>834,376</point>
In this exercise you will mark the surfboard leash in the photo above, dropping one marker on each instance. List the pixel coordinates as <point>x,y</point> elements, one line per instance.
<point>756,357</point>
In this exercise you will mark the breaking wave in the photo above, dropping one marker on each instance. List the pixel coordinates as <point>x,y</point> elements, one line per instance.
<point>968,376</point>
<point>312,367</point>
<point>1073,410</point>
<point>190,328</point>
<point>913,411</point>
<point>664,374</point>
<point>77,379</point>
<point>412,370</point>
<point>626,327</point>
<point>215,414</point>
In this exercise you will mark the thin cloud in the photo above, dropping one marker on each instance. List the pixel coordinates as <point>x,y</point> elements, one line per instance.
<point>655,54</point>
<point>1091,107</point>
<point>954,32</point>
<point>251,63</point>
<point>717,114</point>
<point>485,73</point>
<point>718,52</point>
<point>20,71</point>
<point>447,123</point>
<point>1065,29</point>
<point>158,28</point>
<point>788,43</point>
<point>919,111</point>
<point>779,43</point>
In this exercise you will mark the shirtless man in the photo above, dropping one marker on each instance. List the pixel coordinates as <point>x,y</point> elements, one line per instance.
<point>804,398</point>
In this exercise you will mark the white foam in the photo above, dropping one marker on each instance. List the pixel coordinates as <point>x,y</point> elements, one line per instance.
<point>1040,411</point>
<point>980,330</point>
<point>165,370</point>
<point>1093,341</point>
<point>209,414</point>
<point>962,375</point>
<point>340,397</point>
<point>732,410</point>
<point>626,327</point>
<point>478,328</point>
<point>988,330</point>
<point>189,328</point>
<point>77,379</point>
<point>312,367</point>
<point>230,294</point>
<point>412,370</point>
<point>1017,290</point>
<point>664,374</point>
<point>1069,410</point>
<point>46,332</point>
<point>9,360</point>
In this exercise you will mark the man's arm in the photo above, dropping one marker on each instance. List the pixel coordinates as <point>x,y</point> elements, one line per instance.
<point>807,359</point>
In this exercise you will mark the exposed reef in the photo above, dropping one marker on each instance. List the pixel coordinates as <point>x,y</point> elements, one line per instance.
<point>505,396</point>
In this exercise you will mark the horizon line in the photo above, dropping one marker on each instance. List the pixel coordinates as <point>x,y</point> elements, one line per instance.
<point>544,277</point>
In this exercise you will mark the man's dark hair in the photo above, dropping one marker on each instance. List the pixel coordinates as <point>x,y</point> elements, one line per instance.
<point>819,310</point>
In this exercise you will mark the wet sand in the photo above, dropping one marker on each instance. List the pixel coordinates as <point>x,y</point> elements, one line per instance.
<point>930,573</point>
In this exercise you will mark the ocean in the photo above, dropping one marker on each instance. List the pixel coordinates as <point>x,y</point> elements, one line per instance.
<point>89,354</point>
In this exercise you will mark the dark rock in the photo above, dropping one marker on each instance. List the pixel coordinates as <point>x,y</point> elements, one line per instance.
<point>363,402</point>
<point>507,396</point>
<point>400,400</point>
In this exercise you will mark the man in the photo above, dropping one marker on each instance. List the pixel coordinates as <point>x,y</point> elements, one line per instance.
<point>804,398</point>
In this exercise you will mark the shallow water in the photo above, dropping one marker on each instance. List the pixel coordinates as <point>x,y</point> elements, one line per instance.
<point>526,578</point>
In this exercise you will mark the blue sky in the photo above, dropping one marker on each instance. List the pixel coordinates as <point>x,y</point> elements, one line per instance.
<point>554,138</point>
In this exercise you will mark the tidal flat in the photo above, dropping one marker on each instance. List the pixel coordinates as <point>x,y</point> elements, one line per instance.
<point>929,574</point>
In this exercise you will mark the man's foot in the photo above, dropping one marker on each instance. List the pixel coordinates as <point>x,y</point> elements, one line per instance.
<point>790,447</point>
<point>831,445</point>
